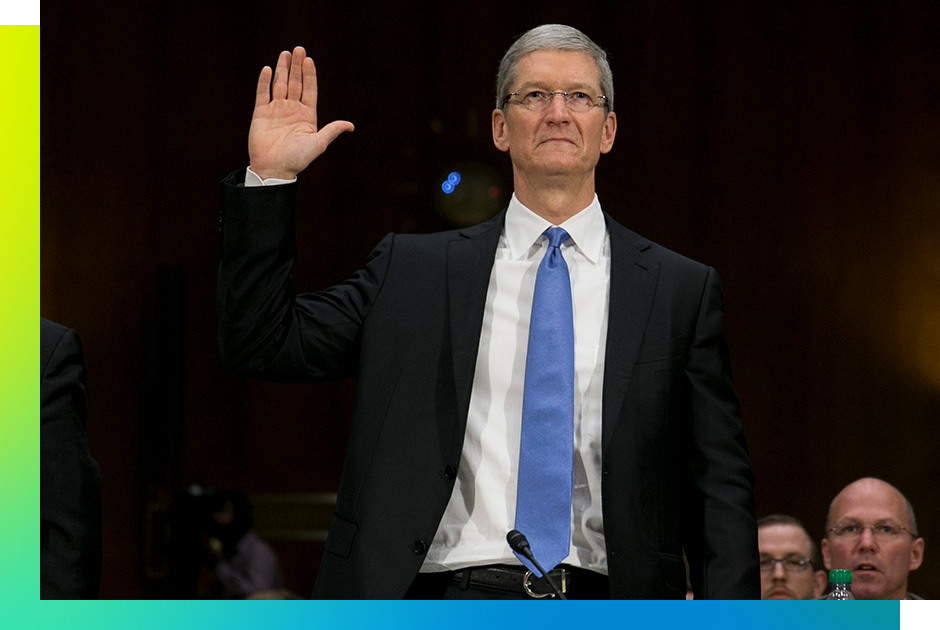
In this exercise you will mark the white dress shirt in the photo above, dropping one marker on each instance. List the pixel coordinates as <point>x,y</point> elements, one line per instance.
<point>483,504</point>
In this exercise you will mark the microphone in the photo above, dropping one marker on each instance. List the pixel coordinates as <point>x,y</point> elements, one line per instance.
<point>520,544</point>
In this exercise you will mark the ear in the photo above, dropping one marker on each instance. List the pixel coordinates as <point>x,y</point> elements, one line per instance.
<point>820,582</point>
<point>500,133</point>
<point>609,132</point>
<point>824,548</point>
<point>917,553</point>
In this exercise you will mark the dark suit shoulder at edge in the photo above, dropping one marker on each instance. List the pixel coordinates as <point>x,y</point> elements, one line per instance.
<point>647,247</point>
<point>51,335</point>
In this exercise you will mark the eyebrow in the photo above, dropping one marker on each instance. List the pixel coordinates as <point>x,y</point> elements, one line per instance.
<point>574,87</point>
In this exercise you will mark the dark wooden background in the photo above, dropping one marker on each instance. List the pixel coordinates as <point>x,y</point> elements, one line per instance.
<point>793,145</point>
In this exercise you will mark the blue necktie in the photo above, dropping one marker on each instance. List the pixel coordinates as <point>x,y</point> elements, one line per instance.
<point>543,498</point>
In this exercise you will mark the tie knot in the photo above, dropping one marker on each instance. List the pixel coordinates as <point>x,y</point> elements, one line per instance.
<point>556,236</point>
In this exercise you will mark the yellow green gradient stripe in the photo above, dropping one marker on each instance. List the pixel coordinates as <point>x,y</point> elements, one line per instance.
<point>19,260</point>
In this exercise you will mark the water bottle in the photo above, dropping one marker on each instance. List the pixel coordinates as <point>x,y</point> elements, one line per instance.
<point>840,584</point>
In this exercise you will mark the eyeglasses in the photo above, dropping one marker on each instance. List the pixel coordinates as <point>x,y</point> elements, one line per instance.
<point>537,100</point>
<point>791,564</point>
<point>882,532</point>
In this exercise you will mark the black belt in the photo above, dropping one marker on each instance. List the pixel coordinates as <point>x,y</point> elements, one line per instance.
<point>505,578</point>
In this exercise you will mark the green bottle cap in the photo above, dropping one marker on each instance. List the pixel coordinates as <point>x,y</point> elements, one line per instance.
<point>840,575</point>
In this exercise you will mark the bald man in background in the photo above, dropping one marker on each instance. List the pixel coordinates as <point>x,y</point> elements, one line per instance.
<point>871,530</point>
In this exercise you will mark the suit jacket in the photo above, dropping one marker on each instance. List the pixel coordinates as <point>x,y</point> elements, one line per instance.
<point>675,468</point>
<point>70,483</point>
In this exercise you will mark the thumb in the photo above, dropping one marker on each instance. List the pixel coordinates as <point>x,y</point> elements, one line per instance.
<point>330,132</point>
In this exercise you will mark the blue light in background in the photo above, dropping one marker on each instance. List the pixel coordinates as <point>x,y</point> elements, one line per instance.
<point>453,178</point>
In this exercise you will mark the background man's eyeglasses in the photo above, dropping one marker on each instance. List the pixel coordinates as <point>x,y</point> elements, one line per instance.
<point>791,564</point>
<point>537,100</point>
<point>882,532</point>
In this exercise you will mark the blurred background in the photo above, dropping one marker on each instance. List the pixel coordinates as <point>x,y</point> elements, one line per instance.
<point>795,146</point>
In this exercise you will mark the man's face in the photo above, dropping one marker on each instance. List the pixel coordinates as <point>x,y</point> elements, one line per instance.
<point>784,541</point>
<point>555,142</point>
<point>879,566</point>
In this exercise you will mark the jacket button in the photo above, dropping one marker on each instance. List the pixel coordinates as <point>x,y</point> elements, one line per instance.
<point>450,472</point>
<point>420,547</point>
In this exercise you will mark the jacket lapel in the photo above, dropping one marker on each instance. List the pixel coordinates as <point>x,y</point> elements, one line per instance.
<point>632,287</point>
<point>470,259</point>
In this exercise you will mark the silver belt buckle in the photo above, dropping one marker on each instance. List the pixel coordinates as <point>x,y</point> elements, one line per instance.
<point>528,587</point>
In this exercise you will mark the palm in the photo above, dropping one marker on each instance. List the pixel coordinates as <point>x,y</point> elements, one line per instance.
<point>284,133</point>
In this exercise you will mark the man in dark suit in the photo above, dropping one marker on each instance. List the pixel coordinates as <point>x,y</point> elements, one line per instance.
<point>435,328</point>
<point>70,484</point>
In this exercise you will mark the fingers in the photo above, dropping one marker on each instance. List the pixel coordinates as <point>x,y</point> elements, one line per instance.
<point>295,82</point>
<point>279,91</point>
<point>263,91</point>
<point>290,77</point>
<point>310,83</point>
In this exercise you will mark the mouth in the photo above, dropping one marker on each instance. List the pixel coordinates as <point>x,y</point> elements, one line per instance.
<point>865,568</point>
<point>779,593</point>
<point>554,140</point>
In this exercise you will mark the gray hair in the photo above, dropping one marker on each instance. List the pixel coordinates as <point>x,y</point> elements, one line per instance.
<point>553,37</point>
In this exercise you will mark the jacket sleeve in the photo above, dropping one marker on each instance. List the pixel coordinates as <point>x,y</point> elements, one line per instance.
<point>265,329</point>
<point>720,525</point>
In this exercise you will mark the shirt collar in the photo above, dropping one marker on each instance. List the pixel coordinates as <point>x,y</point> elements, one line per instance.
<point>587,229</point>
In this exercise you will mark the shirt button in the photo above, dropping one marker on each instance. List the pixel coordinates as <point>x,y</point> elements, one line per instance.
<point>450,472</point>
<point>420,547</point>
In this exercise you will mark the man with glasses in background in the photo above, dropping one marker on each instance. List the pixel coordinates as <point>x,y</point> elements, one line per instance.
<point>871,531</point>
<point>597,415</point>
<point>790,564</point>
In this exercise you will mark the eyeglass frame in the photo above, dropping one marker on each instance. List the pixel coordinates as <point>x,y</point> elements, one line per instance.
<point>862,528</point>
<point>802,564</point>
<point>551,95</point>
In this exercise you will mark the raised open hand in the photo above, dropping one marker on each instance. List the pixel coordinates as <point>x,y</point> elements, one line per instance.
<point>284,138</point>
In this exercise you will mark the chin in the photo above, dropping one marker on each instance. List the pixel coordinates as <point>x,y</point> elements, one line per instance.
<point>868,591</point>
<point>869,587</point>
<point>774,594</point>
<point>560,166</point>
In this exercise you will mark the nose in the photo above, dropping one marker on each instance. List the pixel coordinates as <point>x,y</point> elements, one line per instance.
<point>779,572</point>
<point>558,108</point>
<point>866,539</point>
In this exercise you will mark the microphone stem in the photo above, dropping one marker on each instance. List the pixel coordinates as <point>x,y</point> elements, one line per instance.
<point>547,577</point>
<point>517,541</point>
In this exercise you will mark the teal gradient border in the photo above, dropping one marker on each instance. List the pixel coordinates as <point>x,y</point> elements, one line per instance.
<point>468,615</point>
